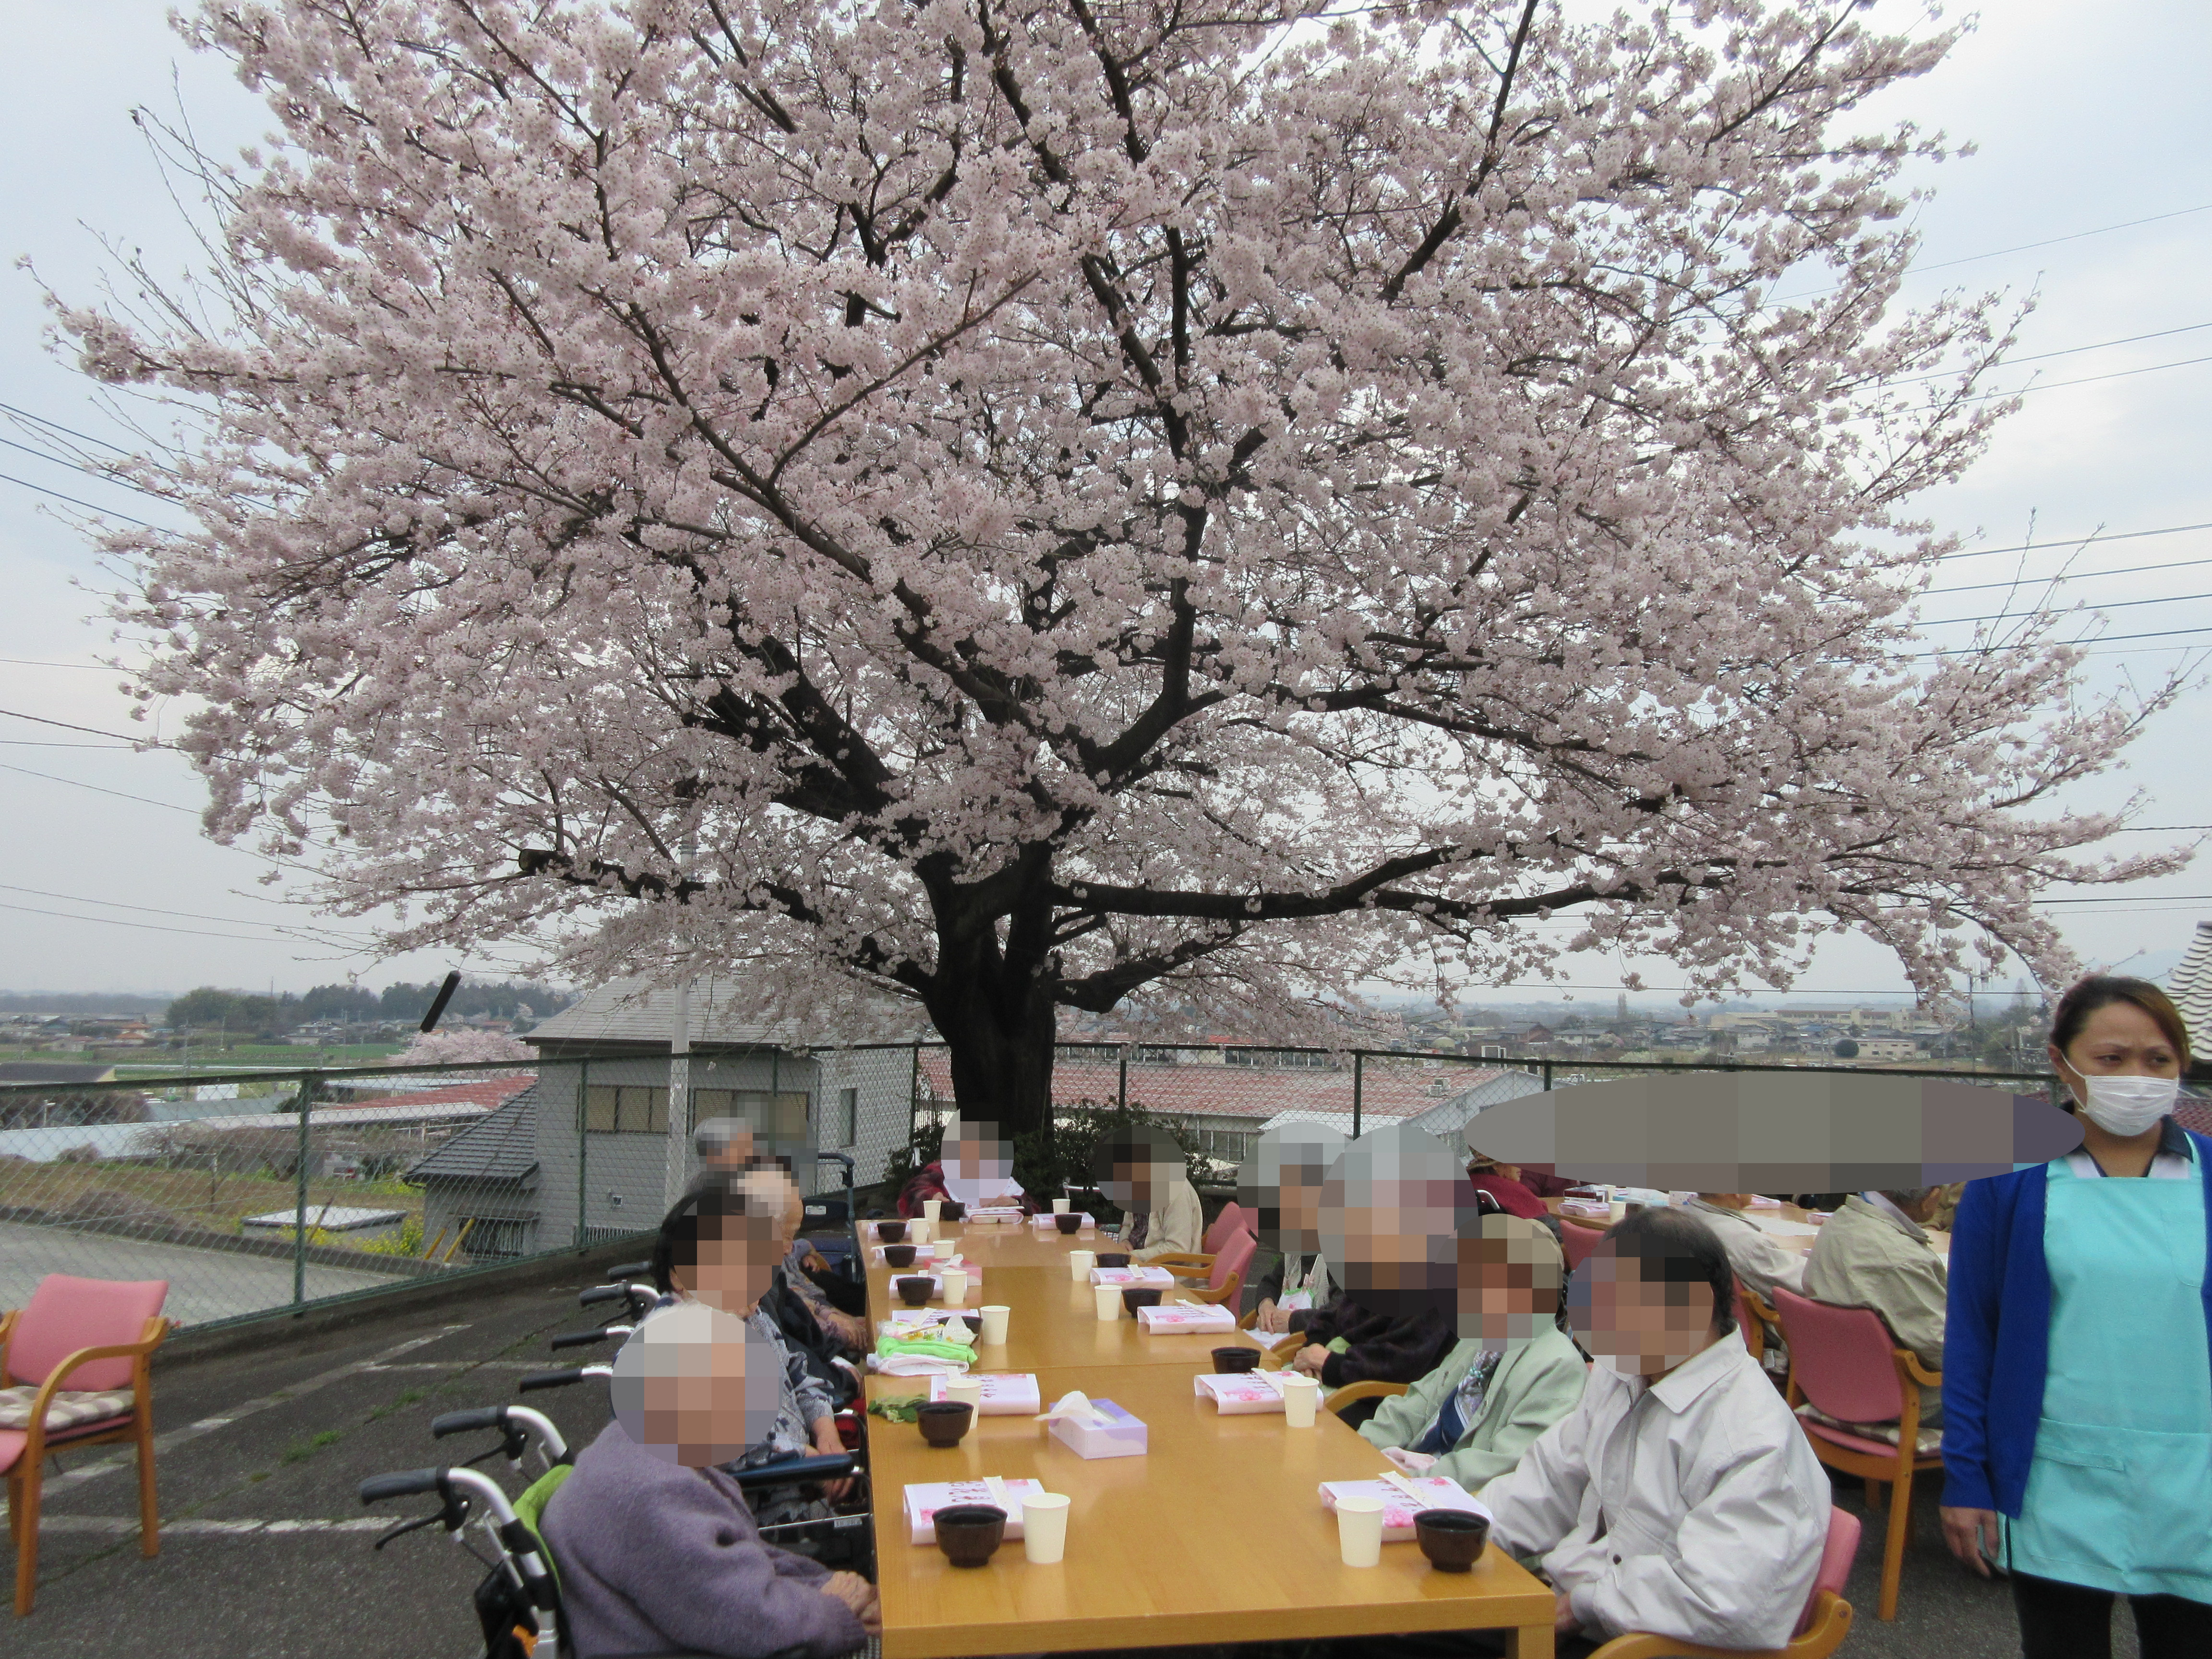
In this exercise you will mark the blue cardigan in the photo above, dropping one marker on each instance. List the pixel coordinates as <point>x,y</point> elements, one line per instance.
<point>1996,1338</point>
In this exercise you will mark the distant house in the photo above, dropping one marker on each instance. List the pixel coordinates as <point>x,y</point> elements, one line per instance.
<point>480,1188</point>
<point>602,1123</point>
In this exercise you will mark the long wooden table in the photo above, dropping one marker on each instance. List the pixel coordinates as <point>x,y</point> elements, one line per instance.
<point>1215,1534</point>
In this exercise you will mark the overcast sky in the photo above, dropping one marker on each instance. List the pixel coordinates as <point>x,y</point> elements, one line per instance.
<point>2091,189</point>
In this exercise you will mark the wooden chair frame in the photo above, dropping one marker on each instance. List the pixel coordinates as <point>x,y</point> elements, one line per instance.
<point>1352,1393</point>
<point>1187,1265</point>
<point>27,1479</point>
<point>1895,1470</point>
<point>1831,1622</point>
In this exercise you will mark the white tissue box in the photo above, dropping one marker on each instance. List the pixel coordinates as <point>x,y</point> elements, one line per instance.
<point>1169,1317</point>
<point>1006,1394</point>
<point>1125,1276</point>
<point>1242,1394</point>
<point>1042,1221</point>
<point>997,1216</point>
<point>923,1500</point>
<point>1116,1434</point>
<point>1437,1492</point>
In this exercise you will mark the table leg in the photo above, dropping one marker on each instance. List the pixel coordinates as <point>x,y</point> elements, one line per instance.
<point>1529,1642</point>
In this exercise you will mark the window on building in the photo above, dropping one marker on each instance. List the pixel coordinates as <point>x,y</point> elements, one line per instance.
<point>848,1116</point>
<point>625,1109</point>
<point>1226,1145</point>
<point>781,1115</point>
<point>489,1236</point>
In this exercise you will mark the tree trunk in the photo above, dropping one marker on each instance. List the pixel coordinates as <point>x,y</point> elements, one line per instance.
<point>1002,1036</point>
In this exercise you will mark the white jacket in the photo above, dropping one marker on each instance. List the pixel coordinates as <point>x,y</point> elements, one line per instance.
<point>1692,1509</point>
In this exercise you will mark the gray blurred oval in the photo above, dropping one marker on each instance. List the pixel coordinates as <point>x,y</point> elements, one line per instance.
<point>1731,1132</point>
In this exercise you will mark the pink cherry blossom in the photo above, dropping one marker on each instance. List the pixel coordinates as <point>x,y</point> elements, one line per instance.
<point>1102,506</point>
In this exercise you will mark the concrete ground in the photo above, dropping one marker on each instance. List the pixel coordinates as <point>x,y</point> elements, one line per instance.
<point>204,1285</point>
<point>266,1553</point>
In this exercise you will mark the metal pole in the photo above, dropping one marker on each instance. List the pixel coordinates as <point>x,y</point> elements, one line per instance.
<point>583,1145</point>
<point>1548,1076</point>
<point>913,1092</point>
<point>1358,1086</point>
<point>301,1102</point>
<point>1122,1090</point>
<point>679,1099</point>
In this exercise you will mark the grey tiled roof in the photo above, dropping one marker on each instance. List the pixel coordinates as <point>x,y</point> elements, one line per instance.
<point>631,1011</point>
<point>501,1145</point>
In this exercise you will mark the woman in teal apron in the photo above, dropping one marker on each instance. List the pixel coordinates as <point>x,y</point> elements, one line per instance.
<point>2077,1380</point>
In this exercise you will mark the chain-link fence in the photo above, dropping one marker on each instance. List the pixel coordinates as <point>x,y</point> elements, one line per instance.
<point>255,1191</point>
<point>1221,1098</point>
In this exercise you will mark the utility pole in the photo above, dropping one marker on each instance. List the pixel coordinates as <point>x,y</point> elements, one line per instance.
<point>678,1172</point>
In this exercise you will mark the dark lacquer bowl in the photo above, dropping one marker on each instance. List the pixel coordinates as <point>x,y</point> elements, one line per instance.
<point>943,1422</point>
<point>898,1256</point>
<point>890,1232</point>
<point>970,1533</point>
<point>1112,1259</point>
<point>1140,1295</point>
<point>915,1291</point>
<point>1228,1362</point>
<point>1451,1539</point>
<point>1067,1224</point>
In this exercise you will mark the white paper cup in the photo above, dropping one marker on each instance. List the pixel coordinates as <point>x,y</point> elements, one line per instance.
<point>967,1388</point>
<point>1044,1526</point>
<point>955,1287</point>
<point>1301,1394</point>
<point>996,1316</point>
<point>1080,1263</point>
<point>1359,1531</point>
<point>1107,1299</point>
<point>918,1231</point>
<point>932,1209</point>
<point>1060,1207</point>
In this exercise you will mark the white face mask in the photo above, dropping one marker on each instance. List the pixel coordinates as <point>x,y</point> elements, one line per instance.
<point>2130,1105</point>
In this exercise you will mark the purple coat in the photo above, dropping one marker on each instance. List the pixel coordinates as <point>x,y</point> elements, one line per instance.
<point>654,1557</point>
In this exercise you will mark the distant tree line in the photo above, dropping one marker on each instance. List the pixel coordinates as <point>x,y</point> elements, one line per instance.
<point>211,1008</point>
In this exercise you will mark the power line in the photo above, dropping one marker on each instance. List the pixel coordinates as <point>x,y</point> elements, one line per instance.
<point>1998,254</point>
<point>9,477</point>
<point>2110,638</point>
<point>40,420</point>
<point>2065,351</point>
<point>89,730</point>
<point>41,662</point>
<point>2074,576</point>
<point>2087,380</point>
<point>2077,541</point>
<point>155,910</point>
<point>2023,616</point>
<point>156,927</point>
<point>142,799</point>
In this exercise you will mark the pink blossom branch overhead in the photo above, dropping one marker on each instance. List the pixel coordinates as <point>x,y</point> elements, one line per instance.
<point>1091,501</point>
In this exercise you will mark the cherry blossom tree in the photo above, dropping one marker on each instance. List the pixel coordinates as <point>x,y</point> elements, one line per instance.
<point>1091,504</point>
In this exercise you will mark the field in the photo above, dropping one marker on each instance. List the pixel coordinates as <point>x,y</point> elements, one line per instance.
<point>157,1062</point>
<point>214,1201</point>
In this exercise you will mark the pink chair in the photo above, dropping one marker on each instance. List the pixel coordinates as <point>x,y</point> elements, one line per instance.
<point>1847,1365</point>
<point>1826,1619</point>
<point>98,1336</point>
<point>1225,1227</point>
<point>1224,1269</point>
<point>1577,1242</point>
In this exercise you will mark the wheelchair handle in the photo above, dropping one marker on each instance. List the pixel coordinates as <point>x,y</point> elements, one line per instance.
<point>538,1380</point>
<point>632,1270</point>
<point>584,1339</point>
<point>636,1296</point>
<point>468,1422</point>
<point>834,1467</point>
<point>406,1483</point>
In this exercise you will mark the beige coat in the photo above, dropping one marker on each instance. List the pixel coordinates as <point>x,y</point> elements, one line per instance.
<point>1867,1258</point>
<point>1176,1226</point>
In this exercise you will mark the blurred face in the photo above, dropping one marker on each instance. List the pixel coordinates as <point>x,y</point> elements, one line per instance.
<point>1509,1292</point>
<point>736,1255</point>
<point>726,1143</point>
<point>1637,1325</point>
<point>695,1386</point>
<point>2117,1040</point>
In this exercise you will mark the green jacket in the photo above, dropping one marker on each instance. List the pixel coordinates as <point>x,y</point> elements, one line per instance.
<point>1534,1386</point>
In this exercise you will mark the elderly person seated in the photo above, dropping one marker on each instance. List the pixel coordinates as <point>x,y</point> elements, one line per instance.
<point>1875,1253</point>
<point>1514,1374</point>
<point>656,1546</point>
<point>1146,1175</point>
<point>1280,1184</point>
<point>1680,1497</point>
